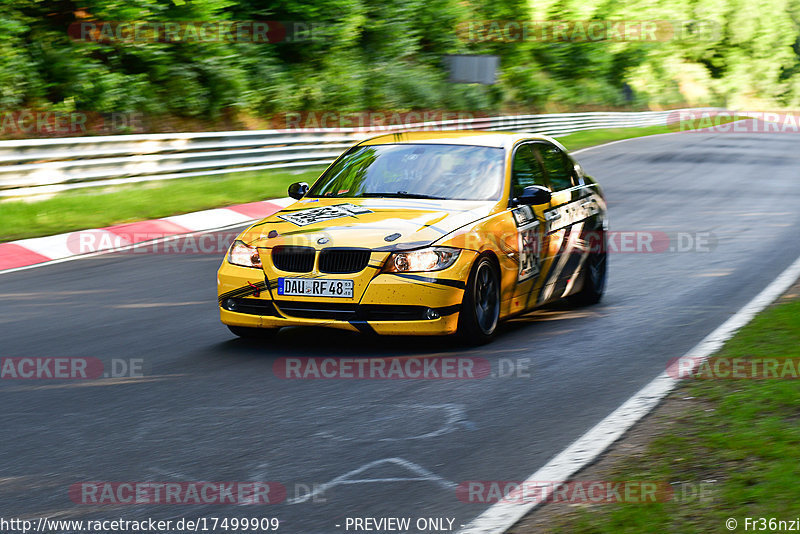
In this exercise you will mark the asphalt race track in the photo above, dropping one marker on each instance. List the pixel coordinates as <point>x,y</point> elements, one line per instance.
<point>210,408</point>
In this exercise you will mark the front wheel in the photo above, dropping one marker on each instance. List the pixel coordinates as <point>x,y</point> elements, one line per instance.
<point>480,309</point>
<point>246,332</point>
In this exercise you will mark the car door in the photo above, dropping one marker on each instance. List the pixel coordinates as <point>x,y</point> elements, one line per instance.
<point>533,252</point>
<point>566,220</point>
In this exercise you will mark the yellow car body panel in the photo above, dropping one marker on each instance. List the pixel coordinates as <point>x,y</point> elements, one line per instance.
<point>417,303</point>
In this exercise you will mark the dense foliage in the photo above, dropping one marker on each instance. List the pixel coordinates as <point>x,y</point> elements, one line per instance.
<point>370,54</point>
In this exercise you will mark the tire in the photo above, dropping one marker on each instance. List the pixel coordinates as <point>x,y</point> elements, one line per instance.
<point>246,332</point>
<point>480,309</point>
<point>594,279</point>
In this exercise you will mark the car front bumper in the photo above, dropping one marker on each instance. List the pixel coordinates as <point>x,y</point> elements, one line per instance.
<point>422,303</point>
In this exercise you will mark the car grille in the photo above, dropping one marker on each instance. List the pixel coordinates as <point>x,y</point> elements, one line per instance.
<point>343,260</point>
<point>293,259</point>
<point>318,310</point>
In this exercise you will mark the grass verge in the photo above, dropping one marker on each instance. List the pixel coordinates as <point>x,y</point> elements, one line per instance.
<point>733,443</point>
<point>587,138</point>
<point>97,207</point>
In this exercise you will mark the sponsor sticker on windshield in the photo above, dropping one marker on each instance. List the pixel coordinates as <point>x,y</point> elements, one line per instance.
<point>324,213</point>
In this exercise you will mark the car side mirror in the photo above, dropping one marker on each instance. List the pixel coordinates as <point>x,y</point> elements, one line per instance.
<point>297,190</point>
<point>534,195</point>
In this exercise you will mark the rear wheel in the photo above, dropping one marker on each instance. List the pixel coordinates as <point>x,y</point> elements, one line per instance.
<point>594,280</point>
<point>480,309</point>
<point>246,332</point>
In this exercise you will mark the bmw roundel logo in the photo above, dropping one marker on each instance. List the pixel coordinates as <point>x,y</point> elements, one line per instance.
<point>322,240</point>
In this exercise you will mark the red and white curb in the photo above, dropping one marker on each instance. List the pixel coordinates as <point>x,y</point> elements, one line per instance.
<point>25,253</point>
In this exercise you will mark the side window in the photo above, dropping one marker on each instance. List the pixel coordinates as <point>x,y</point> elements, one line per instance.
<point>559,168</point>
<point>526,170</point>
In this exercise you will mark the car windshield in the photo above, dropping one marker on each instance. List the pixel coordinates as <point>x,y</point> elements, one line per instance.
<point>452,172</point>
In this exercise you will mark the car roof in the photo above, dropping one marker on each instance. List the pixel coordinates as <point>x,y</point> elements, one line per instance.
<point>457,137</point>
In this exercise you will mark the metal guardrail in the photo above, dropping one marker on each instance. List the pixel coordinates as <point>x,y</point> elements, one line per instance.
<point>43,166</point>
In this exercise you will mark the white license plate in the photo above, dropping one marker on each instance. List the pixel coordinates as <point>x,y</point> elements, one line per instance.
<point>311,287</point>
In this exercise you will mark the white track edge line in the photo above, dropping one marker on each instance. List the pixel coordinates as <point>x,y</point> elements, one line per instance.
<point>501,516</point>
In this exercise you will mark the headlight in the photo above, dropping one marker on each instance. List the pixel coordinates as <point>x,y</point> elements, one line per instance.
<point>244,255</point>
<point>427,259</point>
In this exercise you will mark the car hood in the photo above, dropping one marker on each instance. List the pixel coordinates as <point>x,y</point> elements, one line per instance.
<point>375,223</point>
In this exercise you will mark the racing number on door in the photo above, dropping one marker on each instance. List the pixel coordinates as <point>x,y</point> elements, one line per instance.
<point>529,242</point>
<point>529,247</point>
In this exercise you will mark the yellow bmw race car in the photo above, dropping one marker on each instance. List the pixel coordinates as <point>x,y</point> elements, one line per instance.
<point>422,233</point>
